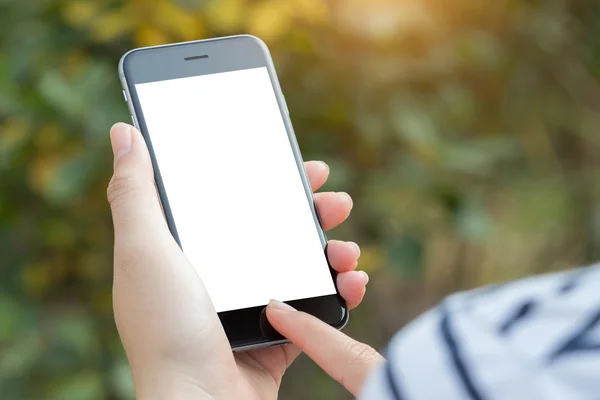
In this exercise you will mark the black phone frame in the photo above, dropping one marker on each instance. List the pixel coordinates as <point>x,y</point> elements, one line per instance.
<point>245,328</point>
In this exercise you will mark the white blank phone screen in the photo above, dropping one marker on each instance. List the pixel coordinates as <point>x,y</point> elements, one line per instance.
<point>234,189</point>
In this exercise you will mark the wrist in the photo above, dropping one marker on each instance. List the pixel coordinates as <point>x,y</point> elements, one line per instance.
<point>171,385</point>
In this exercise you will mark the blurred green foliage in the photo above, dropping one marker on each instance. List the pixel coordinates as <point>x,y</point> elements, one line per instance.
<point>468,133</point>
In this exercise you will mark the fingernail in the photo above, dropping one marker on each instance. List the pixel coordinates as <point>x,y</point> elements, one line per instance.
<point>120,138</point>
<point>348,198</point>
<point>324,165</point>
<point>365,276</point>
<point>281,306</point>
<point>356,247</point>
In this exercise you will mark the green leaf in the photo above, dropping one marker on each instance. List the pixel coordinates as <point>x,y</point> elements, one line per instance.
<point>406,255</point>
<point>472,220</point>
<point>122,380</point>
<point>75,334</point>
<point>21,356</point>
<point>415,126</point>
<point>80,386</point>
<point>477,156</point>
<point>71,179</point>
<point>594,48</point>
<point>11,316</point>
<point>62,95</point>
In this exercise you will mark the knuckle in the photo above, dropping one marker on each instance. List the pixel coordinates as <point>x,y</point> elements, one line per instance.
<point>360,357</point>
<point>121,188</point>
<point>361,353</point>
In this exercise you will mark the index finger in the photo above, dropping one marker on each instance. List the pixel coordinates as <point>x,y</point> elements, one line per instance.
<point>344,359</point>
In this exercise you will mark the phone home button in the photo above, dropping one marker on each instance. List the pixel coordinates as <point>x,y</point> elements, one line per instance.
<point>266,329</point>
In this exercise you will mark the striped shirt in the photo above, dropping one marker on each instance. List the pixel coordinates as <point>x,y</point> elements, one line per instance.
<point>534,339</point>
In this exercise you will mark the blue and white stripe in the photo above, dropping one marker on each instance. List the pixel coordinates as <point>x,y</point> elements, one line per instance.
<point>538,338</point>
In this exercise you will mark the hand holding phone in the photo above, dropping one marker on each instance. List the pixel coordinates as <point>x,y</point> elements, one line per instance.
<point>229,173</point>
<point>173,338</point>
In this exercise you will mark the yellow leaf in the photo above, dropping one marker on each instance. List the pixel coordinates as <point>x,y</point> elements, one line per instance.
<point>270,19</point>
<point>371,258</point>
<point>97,236</point>
<point>226,15</point>
<point>72,149</point>
<point>181,23</point>
<point>102,302</point>
<point>41,172</point>
<point>60,234</point>
<point>112,25</point>
<point>14,133</point>
<point>314,11</point>
<point>93,265</point>
<point>37,278</point>
<point>149,35</point>
<point>74,63</point>
<point>426,153</point>
<point>336,111</point>
<point>49,136</point>
<point>300,41</point>
<point>79,13</point>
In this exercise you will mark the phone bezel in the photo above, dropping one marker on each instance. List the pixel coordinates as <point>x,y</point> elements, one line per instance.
<point>231,53</point>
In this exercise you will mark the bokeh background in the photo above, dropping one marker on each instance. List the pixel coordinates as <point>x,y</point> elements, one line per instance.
<point>467,131</point>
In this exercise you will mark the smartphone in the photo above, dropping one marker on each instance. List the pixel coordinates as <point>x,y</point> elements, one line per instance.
<point>231,180</point>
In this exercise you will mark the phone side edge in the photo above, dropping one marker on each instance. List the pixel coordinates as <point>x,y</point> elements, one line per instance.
<point>302,171</point>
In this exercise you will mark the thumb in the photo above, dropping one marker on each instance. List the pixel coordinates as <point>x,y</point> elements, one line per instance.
<point>344,359</point>
<point>131,191</point>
